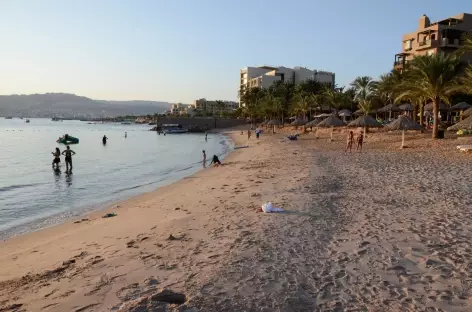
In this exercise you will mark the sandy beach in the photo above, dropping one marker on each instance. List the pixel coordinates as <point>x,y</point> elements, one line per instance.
<point>382,230</point>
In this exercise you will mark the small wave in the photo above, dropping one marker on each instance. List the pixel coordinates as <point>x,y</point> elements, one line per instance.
<point>19,186</point>
<point>133,187</point>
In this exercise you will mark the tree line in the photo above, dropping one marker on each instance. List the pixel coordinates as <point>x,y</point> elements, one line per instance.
<point>425,79</point>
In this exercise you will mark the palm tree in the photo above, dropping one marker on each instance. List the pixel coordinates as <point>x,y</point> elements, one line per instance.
<point>466,81</point>
<point>336,98</point>
<point>432,77</point>
<point>302,104</point>
<point>220,105</point>
<point>364,88</point>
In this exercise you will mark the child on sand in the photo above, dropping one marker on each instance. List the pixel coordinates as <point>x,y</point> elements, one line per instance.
<point>350,141</point>
<point>360,140</point>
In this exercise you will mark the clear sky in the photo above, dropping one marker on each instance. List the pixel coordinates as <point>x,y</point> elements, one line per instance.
<point>180,50</point>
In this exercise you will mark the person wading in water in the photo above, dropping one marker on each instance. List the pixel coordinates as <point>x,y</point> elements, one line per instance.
<point>68,153</point>
<point>57,158</point>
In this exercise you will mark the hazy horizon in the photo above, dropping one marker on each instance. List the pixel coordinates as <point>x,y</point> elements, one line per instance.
<point>178,51</point>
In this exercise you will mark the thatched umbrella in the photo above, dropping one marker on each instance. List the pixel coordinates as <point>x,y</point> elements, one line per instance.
<point>467,112</point>
<point>323,115</point>
<point>465,124</point>
<point>273,122</point>
<point>406,107</point>
<point>460,106</point>
<point>332,121</point>
<point>388,109</point>
<point>429,107</point>
<point>298,122</point>
<point>344,113</point>
<point>403,123</point>
<point>364,121</point>
<point>312,123</point>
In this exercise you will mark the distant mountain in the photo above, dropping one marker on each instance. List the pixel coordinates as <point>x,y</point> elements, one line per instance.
<point>73,106</point>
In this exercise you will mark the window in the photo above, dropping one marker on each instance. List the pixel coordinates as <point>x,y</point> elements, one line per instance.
<point>408,45</point>
<point>433,37</point>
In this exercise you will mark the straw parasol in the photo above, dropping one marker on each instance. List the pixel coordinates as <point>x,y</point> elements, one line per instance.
<point>323,115</point>
<point>460,106</point>
<point>344,113</point>
<point>332,121</point>
<point>467,112</point>
<point>403,123</point>
<point>465,124</point>
<point>388,108</point>
<point>406,107</point>
<point>298,122</point>
<point>312,123</point>
<point>273,122</point>
<point>364,121</point>
<point>429,106</point>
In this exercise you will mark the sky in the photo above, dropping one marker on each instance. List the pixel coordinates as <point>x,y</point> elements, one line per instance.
<point>182,50</point>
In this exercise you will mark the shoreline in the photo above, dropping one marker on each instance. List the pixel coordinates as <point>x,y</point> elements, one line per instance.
<point>405,244</point>
<point>56,219</point>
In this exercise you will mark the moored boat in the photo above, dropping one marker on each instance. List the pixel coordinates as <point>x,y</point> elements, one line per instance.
<point>173,129</point>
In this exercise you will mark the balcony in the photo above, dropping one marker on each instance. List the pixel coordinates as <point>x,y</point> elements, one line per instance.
<point>450,43</point>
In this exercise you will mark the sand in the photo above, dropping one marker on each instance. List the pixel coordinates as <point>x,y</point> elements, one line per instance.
<point>382,230</point>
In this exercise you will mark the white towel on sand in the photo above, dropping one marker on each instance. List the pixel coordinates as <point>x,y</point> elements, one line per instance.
<point>267,207</point>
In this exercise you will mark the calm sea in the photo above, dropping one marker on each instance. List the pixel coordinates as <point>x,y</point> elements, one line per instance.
<point>33,196</point>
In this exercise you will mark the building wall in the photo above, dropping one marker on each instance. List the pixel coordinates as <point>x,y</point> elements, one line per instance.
<point>203,122</point>
<point>325,77</point>
<point>431,38</point>
<point>251,72</point>
<point>303,74</point>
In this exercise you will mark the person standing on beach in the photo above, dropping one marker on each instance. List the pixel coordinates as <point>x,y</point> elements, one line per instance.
<point>206,136</point>
<point>126,135</point>
<point>68,153</point>
<point>57,158</point>
<point>204,159</point>
<point>350,141</point>
<point>249,134</point>
<point>104,140</point>
<point>360,141</point>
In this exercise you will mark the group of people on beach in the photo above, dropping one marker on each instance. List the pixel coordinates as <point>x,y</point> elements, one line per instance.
<point>350,141</point>
<point>215,161</point>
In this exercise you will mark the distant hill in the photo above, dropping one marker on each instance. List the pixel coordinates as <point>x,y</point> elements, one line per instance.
<point>73,106</point>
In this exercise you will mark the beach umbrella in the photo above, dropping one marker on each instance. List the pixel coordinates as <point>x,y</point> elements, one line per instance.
<point>323,115</point>
<point>406,107</point>
<point>298,122</point>
<point>312,123</point>
<point>364,121</point>
<point>465,124</point>
<point>332,121</point>
<point>429,107</point>
<point>467,112</point>
<point>460,106</point>
<point>403,123</point>
<point>344,113</point>
<point>273,122</point>
<point>388,108</point>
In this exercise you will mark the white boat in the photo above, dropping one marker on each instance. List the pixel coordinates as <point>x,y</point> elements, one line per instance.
<point>173,129</point>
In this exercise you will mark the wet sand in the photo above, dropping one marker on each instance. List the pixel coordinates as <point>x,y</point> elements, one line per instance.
<point>382,230</point>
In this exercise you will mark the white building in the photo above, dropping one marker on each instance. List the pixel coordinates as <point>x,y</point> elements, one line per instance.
<point>181,109</point>
<point>214,107</point>
<point>265,76</point>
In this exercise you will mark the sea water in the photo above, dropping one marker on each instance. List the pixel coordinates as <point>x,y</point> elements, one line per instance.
<point>34,196</point>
